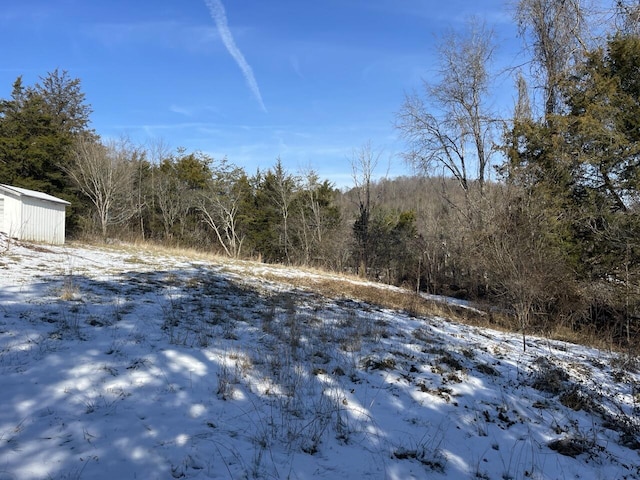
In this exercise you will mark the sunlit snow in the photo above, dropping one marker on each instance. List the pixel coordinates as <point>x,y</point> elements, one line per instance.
<point>129,364</point>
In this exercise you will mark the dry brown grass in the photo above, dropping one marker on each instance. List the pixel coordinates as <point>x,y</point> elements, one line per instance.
<point>331,285</point>
<point>69,290</point>
<point>150,248</point>
<point>339,285</point>
<point>384,296</point>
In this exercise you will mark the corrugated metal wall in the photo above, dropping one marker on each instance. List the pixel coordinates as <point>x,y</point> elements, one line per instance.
<point>12,214</point>
<point>27,218</point>
<point>42,221</point>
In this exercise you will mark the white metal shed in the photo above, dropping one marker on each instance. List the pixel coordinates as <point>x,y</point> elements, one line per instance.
<point>30,215</point>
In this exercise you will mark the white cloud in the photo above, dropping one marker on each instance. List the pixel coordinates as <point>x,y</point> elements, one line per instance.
<point>219,16</point>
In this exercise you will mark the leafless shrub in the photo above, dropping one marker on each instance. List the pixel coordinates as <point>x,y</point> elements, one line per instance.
<point>571,446</point>
<point>372,363</point>
<point>452,362</point>
<point>576,399</point>
<point>427,451</point>
<point>549,378</point>
<point>487,370</point>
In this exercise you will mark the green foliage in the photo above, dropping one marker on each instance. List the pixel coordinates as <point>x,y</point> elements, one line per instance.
<point>65,102</point>
<point>603,124</point>
<point>174,185</point>
<point>30,145</point>
<point>192,168</point>
<point>37,127</point>
<point>287,219</point>
<point>582,169</point>
<point>262,219</point>
<point>390,244</point>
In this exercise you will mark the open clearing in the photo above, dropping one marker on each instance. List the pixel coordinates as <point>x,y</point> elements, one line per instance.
<point>127,363</point>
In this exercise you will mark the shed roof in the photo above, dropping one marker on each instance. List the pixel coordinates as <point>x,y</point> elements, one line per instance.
<point>33,194</point>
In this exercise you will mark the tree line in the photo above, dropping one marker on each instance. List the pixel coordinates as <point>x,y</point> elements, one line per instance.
<point>534,211</point>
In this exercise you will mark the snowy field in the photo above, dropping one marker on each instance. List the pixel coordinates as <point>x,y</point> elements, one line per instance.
<point>128,364</point>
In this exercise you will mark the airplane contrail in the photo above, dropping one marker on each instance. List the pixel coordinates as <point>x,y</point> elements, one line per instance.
<point>220,17</point>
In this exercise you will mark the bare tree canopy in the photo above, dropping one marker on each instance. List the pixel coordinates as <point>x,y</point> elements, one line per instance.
<point>219,204</point>
<point>628,16</point>
<point>450,127</point>
<point>557,32</point>
<point>363,165</point>
<point>104,173</point>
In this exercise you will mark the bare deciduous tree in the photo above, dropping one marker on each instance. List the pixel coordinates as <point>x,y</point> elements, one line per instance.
<point>310,212</point>
<point>219,204</point>
<point>105,174</point>
<point>363,164</point>
<point>454,129</point>
<point>173,198</point>
<point>282,191</point>
<point>557,33</point>
<point>523,105</point>
<point>628,16</point>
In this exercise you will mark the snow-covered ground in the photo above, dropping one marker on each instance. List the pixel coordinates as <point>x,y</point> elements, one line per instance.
<point>128,364</point>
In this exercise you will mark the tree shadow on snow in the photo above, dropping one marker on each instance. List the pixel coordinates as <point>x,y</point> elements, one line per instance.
<point>187,373</point>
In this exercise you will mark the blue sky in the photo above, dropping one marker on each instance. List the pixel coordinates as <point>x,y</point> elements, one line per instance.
<point>329,75</point>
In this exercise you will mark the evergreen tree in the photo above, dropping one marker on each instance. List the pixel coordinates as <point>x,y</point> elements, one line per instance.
<point>38,126</point>
<point>582,168</point>
<point>30,147</point>
<point>65,102</point>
